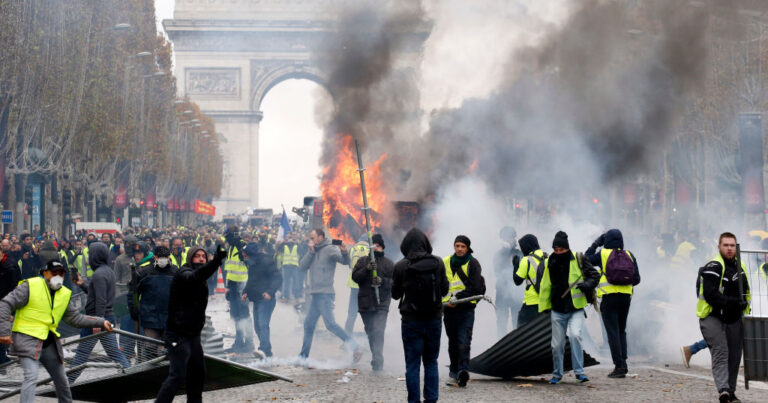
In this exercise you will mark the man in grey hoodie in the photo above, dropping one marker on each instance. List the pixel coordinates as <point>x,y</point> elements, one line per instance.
<point>101,296</point>
<point>321,260</point>
<point>36,341</point>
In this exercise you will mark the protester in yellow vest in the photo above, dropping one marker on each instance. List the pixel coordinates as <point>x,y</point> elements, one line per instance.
<point>566,282</point>
<point>358,250</point>
<point>237,277</point>
<point>724,297</point>
<point>40,304</point>
<point>178,252</point>
<point>465,277</point>
<point>527,272</point>
<point>289,265</point>
<point>619,275</point>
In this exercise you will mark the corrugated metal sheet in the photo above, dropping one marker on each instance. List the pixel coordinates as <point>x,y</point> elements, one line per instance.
<point>755,349</point>
<point>143,384</point>
<point>525,351</point>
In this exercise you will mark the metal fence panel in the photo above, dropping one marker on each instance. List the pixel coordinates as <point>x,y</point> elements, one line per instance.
<point>756,323</point>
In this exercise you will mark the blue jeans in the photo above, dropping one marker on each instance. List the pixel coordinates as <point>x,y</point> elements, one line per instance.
<point>292,282</point>
<point>262,314</point>
<point>349,325</point>
<point>127,344</point>
<point>421,343</point>
<point>458,327</point>
<point>322,305</point>
<point>698,346</point>
<point>84,349</point>
<point>574,322</point>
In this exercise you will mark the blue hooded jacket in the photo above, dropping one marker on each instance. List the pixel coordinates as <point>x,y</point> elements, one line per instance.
<point>612,239</point>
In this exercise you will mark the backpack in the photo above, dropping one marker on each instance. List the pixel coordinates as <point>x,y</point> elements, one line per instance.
<point>422,290</point>
<point>539,271</point>
<point>619,268</point>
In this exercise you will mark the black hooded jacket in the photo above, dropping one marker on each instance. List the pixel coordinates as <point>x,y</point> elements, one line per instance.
<point>263,275</point>
<point>10,275</point>
<point>418,256</point>
<point>528,244</point>
<point>189,294</point>
<point>363,276</point>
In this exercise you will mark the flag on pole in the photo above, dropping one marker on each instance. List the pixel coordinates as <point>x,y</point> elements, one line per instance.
<point>285,227</point>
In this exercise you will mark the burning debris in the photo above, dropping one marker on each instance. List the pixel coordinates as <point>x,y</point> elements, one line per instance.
<point>341,193</point>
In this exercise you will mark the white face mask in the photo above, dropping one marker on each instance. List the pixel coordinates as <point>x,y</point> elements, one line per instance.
<point>56,282</point>
<point>162,261</point>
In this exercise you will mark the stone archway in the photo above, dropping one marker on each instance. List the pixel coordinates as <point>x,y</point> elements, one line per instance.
<point>229,54</point>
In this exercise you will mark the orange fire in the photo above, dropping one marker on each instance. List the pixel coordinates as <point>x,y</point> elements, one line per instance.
<point>342,197</point>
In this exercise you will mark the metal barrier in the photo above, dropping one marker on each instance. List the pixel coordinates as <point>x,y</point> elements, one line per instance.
<point>756,323</point>
<point>101,373</point>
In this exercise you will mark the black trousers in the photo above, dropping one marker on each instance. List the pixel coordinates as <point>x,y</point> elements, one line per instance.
<point>187,367</point>
<point>458,327</point>
<point>375,323</point>
<point>527,313</point>
<point>614,309</point>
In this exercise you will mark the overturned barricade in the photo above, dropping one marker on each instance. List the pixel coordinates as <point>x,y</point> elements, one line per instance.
<point>756,322</point>
<point>103,379</point>
<point>525,351</point>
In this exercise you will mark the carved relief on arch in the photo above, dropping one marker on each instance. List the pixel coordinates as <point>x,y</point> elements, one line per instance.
<point>267,74</point>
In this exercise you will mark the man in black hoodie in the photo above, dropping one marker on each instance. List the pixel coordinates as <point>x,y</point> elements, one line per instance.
<point>465,277</point>
<point>374,312</point>
<point>186,318</point>
<point>614,307</point>
<point>724,297</point>
<point>419,282</point>
<point>101,296</point>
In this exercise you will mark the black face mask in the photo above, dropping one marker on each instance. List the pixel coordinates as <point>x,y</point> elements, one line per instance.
<point>378,254</point>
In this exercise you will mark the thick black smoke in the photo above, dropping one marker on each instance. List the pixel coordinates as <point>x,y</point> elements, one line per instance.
<point>375,96</point>
<point>595,102</point>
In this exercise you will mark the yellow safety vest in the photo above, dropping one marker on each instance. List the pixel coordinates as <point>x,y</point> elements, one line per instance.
<point>88,270</point>
<point>703,309</point>
<point>39,316</point>
<point>236,269</point>
<point>290,256</point>
<point>454,279</point>
<point>527,270</point>
<point>183,258</point>
<point>359,250</point>
<point>605,287</point>
<point>545,290</point>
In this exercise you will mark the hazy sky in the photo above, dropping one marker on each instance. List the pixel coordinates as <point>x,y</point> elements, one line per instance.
<point>289,138</point>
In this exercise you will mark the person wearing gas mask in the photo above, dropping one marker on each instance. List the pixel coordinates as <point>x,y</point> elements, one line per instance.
<point>154,290</point>
<point>40,304</point>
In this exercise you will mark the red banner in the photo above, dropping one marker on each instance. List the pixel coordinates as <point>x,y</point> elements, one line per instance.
<point>204,208</point>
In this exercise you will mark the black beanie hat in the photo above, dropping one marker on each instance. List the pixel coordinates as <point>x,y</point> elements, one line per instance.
<point>378,239</point>
<point>465,240</point>
<point>561,240</point>
<point>162,251</point>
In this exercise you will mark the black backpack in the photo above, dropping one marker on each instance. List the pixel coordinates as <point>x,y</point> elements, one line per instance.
<point>422,290</point>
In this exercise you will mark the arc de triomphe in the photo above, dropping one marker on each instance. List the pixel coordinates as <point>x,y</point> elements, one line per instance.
<point>230,53</point>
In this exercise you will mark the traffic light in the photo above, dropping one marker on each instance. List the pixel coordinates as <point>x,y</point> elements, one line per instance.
<point>66,196</point>
<point>28,195</point>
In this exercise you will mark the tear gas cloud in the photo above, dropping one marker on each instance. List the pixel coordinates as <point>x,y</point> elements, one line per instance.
<point>566,98</point>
